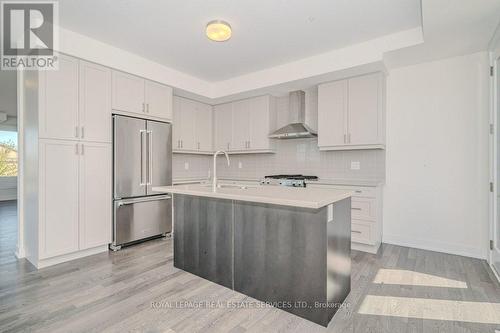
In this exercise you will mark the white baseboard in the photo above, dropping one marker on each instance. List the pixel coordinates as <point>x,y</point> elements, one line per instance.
<point>430,245</point>
<point>20,253</point>
<point>373,249</point>
<point>495,272</point>
<point>42,263</point>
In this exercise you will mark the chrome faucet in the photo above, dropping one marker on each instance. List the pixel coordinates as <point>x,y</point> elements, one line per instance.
<point>214,178</point>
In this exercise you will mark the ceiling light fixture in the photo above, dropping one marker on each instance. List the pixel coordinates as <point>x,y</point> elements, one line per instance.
<point>218,30</point>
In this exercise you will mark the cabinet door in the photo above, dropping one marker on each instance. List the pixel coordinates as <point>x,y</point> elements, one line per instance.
<point>223,124</point>
<point>127,93</point>
<point>176,123</point>
<point>188,125</point>
<point>364,109</point>
<point>241,125</point>
<point>59,164</point>
<point>259,123</point>
<point>95,102</point>
<point>158,100</point>
<point>95,195</point>
<point>332,114</point>
<point>59,101</point>
<point>204,127</point>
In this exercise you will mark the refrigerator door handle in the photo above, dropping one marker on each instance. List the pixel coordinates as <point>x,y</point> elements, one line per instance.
<point>133,201</point>
<point>150,157</point>
<point>143,157</point>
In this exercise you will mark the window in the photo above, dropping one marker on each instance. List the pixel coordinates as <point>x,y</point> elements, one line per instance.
<point>8,154</point>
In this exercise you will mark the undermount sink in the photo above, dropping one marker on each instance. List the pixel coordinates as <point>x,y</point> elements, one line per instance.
<point>238,186</point>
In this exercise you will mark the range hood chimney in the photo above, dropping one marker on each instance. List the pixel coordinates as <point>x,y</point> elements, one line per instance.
<point>296,128</point>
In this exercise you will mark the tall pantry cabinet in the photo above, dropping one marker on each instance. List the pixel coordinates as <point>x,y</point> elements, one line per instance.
<point>67,171</point>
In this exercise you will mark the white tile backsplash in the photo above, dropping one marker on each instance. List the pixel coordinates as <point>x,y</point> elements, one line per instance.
<point>300,156</point>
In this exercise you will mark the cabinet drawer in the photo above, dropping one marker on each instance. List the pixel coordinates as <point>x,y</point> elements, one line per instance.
<point>361,232</point>
<point>363,208</point>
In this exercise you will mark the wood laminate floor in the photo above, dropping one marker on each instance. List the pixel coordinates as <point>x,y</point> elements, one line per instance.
<point>137,289</point>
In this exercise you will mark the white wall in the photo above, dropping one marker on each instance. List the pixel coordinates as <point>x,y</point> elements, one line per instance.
<point>436,194</point>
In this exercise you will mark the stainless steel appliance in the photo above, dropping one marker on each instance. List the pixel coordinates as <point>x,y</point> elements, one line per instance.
<point>297,127</point>
<point>142,158</point>
<point>288,180</point>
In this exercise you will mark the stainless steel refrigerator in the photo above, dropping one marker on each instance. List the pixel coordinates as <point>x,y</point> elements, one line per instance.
<point>142,158</point>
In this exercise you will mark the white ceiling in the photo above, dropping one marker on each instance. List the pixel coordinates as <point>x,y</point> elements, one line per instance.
<point>451,28</point>
<point>265,33</point>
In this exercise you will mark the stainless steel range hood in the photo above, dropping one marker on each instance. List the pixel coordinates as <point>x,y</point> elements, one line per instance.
<point>296,127</point>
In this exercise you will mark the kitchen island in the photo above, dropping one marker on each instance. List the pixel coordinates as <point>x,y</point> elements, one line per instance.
<point>289,247</point>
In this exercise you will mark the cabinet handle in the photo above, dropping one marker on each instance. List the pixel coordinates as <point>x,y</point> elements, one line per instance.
<point>147,108</point>
<point>198,146</point>
<point>149,135</point>
<point>76,148</point>
<point>355,232</point>
<point>355,208</point>
<point>76,132</point>
<point>182,144</point>
<point>143,107</point>
<point>83,132</point>
<point>83,150</point>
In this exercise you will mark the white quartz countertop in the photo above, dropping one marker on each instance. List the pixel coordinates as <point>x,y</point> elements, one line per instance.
<point>276,195</point>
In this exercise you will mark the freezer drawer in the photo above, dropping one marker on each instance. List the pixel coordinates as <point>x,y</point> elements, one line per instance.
<point>139,218</point>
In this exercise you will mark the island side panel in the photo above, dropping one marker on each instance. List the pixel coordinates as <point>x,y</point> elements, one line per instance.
<point>280,256</point>
<point>339,255</point>
<point>203,237</point>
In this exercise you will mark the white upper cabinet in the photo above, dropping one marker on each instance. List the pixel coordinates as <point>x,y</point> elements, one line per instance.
<point>192,126</point>
<point>244,126</point>
<point>241,125</point>
<point>351,113</point>
<point>128,93</point>
<point>262,123</point>
<point>158,100</point>
<point>95,102</point>
<point>135,95</point>
<point>332,119</point>
<point>223,126</point>
<point>75,102</point>
<point>95,195</point>
<point>365,110</point>
<point>203,125</point>
<point>58,101</point>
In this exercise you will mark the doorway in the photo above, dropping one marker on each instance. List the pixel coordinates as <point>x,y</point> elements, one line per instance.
<point>9,157</point>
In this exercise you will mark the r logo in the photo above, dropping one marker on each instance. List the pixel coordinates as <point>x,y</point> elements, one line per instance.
<point>28,28</point>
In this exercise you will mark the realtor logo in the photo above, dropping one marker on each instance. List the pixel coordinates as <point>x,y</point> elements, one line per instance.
<point>29,35</point>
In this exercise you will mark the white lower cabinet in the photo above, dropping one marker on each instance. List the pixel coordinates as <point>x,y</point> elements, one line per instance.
<point>366,216</point>
<point>59,164</point>
<point>74,196</point>
<point>95,195</point>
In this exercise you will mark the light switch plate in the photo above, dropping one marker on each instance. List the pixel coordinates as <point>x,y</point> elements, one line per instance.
<point>240,165</point>
<point>186,166</point>
<point>355,165</point>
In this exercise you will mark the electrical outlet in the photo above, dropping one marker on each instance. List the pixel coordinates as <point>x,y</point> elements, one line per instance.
<point>355,165</point>
<point>240,165</point>
<point>186,166</point>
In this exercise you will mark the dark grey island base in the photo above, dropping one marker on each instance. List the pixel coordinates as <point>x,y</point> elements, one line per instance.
<point>291,257</point>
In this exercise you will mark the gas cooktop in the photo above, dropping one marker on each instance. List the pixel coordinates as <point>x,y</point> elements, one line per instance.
<point>288,180</point>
